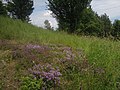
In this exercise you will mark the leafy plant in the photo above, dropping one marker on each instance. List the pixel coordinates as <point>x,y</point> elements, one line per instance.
<point>29,83</point>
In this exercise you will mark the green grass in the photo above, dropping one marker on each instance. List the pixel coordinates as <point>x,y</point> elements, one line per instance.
<point>103,53</point>
<point>95,48</point>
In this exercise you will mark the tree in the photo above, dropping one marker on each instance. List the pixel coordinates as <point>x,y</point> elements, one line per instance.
<point>47,25</point>
<point>21,9</point>
<point>90,23</point>
<point>106,25</point>
<point>116,29</point>
<point>92,29</point>
<point>67,12</point>
<point>2,9</point>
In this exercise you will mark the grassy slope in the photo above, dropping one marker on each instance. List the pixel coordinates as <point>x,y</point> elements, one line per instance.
<point>103,53</point>
<point>95,48</point>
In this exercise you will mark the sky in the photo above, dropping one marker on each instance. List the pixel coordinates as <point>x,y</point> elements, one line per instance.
<point>40,13</point>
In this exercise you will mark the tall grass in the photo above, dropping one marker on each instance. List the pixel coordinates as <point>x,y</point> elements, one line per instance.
<point>100,52</point>
<point>99,48</point>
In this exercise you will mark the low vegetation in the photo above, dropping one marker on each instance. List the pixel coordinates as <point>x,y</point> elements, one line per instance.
<point>35,59</point>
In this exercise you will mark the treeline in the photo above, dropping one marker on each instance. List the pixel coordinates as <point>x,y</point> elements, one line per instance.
<point>73,16</point>
<point>91,24</point>
<point>77,16</point>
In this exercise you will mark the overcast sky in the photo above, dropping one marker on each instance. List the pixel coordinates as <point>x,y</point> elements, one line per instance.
<point>40,13</point>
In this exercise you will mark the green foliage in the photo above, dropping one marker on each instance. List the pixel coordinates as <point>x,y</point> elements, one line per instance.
<point>90,23</point>
<point>2,9</point>
<point>92,30</point>
<point>62,26</point>
<point>20,9</point>
<point>67,12</point>
<point>116,29</point>
<point>1,85</point>
<point>29,83</point>
<point>106,25</point>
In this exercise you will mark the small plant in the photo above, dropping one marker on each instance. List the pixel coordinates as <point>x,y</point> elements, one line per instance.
<point>0,85</point>
<point>49,75</point>
<point>29,83</point>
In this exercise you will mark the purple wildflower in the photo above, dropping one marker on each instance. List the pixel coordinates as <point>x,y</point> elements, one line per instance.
<point>46,72</point>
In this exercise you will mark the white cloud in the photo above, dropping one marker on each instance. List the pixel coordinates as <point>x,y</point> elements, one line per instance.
<point>47,13</point>
<point>110,7</point>
<point>40,14</point>
<point>38,19</point>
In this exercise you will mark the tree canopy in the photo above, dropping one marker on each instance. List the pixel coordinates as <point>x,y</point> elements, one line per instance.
<point>67,12</point>
<point>21,9</point>
<point>2,9</point>
<point>116,29</point>
<point>90,23</point>
<point>106,23</point>
<point>48,25</point>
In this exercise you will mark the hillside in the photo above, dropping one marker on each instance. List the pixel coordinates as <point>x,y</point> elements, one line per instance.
<point>85,63</point>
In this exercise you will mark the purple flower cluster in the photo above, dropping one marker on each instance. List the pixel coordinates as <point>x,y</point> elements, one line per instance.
<point>32,52</point>
<point>69,53</point>
<point>46,72</point>
<point>30,46</point>
<point>37,48</point>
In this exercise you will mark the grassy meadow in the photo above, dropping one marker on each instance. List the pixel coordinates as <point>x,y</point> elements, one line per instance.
<point>86,63</point>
